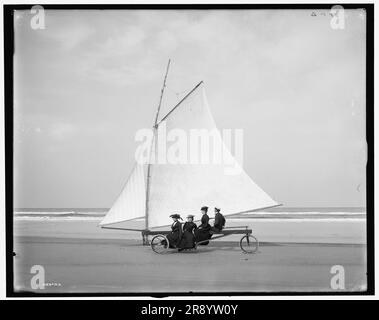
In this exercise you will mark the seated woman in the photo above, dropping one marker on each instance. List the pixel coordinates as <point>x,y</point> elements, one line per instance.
<point>188,237</point>
<point>203,232</point>
<point>176,231</point>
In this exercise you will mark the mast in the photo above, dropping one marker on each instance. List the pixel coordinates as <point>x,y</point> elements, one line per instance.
<point>151,148</point>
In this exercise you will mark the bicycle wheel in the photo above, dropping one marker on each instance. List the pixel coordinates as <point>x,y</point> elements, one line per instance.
<point>159,244</point>
<point>249,244</point>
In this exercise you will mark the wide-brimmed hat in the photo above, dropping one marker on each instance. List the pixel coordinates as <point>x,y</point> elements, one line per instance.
<point>190,216</point>
<point>175,215</point>
<point>205,208</point>
<point>217,209</point>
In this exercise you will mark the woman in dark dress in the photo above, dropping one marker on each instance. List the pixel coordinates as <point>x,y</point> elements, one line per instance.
<point>203,232</point>
<point>188,237</point>
<point>219,222</point>
<point>176,231</point>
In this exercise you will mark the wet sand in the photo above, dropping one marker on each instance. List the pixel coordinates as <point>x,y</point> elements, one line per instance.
<point>344,231</point>
<point>82,258</point>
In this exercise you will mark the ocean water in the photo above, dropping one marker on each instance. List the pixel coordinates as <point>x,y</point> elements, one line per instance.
<point>96,214</point>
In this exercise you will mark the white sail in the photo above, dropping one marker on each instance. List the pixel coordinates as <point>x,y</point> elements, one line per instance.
<point>184,188</point>
<point>131,202</point>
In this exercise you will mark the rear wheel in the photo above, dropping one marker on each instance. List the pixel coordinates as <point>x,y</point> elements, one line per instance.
<point>249,244</point>
<point>159,244</point>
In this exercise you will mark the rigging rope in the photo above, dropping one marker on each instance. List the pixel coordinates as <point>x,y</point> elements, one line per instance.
<point>175,92</point>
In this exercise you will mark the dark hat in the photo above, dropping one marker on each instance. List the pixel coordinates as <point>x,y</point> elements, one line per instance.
<point>190,216</point>
<point>205,208</point>
<point>175,215</point>
<point>217,209</point>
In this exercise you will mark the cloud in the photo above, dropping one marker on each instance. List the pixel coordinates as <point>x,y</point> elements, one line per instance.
<point>65,31</point>
<point>62,131</point>
<point>124,43</point>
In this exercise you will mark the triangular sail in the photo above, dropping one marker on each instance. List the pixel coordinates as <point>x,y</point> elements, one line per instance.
<point>130,204</point>
<point>184,188</point>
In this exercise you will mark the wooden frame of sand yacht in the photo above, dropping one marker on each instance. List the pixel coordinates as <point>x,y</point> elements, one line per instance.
<point>160,244</point>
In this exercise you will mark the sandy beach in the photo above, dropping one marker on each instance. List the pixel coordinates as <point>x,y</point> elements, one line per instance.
<point>293,256</point>
<point>148,118</point>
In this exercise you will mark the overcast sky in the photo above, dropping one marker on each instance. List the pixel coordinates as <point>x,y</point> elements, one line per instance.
<point>90,79</point>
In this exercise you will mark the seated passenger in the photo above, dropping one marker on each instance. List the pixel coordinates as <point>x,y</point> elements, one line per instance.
<point>219,221</point>
<point>203,232</point>
<point>176,231</point>
<point>188,237</point>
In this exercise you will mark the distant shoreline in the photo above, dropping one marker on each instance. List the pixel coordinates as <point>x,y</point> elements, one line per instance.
<point>279,213</point>
<point>275,209</point>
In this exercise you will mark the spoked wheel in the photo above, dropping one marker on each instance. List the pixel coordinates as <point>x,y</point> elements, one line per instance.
<point>249,244</point>
<point>159,244</point>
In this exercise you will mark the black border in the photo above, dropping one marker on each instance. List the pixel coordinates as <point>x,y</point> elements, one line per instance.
<point>8,125</point>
